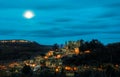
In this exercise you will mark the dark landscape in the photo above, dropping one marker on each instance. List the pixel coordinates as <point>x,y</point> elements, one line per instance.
<point>59,38</point>
<point>21,50</point>
<point>93,59</point>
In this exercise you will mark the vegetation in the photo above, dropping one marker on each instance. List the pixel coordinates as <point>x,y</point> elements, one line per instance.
<point>99,54</point>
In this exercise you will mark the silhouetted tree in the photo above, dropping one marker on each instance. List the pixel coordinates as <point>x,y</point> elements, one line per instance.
<point>27,71</point>
<point>109,71</point>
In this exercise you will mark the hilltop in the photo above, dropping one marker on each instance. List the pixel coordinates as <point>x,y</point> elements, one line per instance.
<point>21,49</point>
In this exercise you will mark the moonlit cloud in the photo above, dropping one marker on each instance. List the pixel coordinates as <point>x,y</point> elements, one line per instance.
<point>6,32</point>
<point>57,21</point>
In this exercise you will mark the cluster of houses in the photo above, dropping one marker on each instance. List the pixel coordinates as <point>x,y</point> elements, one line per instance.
<point>53,58</point>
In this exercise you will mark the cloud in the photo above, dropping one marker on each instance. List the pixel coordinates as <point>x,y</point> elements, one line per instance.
<point>66,19</point>
<point>113,38</point>
<point>49,7</point>
<point>63,20</point>
<point>7,32</point>
<point>114,5</point>
<point>112,32</point>
<point>88,26</point>
<point>47,23</point>
<point>108,15</point>
<point>37,4</point>
<point>58,33</point>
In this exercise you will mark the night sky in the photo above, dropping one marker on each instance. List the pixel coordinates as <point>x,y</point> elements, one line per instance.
<point>57,21</point>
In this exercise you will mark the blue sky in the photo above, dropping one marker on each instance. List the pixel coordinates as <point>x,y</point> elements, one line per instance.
<point>57,21</point>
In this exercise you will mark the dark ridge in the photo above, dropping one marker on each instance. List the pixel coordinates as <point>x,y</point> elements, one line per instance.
<point>21,49</point>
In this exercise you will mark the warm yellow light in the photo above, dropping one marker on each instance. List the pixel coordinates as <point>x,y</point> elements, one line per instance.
<point>50,53</point>
<point>68,68</point>
<point>58,56</point>
<point>31,65</point>
<point>26,64</point>
<point>46,57</point>
<point>57,70</point>
<point>88,51</point>
<point>77,51</point>
<point>13,64</point>
<point>75,68</point>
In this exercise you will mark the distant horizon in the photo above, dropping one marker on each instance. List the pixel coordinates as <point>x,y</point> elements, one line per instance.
<point>61,43</point>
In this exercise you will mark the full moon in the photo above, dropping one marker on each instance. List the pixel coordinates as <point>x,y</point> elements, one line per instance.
<point>28,14</point>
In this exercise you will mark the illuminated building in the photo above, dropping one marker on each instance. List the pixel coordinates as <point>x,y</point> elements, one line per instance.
<point>77,51</point>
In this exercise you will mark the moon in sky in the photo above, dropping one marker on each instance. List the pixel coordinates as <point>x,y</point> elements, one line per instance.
<point>28,14</point>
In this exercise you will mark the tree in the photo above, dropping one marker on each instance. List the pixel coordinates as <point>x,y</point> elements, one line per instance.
<point>27,71</point>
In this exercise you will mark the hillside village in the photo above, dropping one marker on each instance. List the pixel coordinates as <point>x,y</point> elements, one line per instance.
<point>73,56</point>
